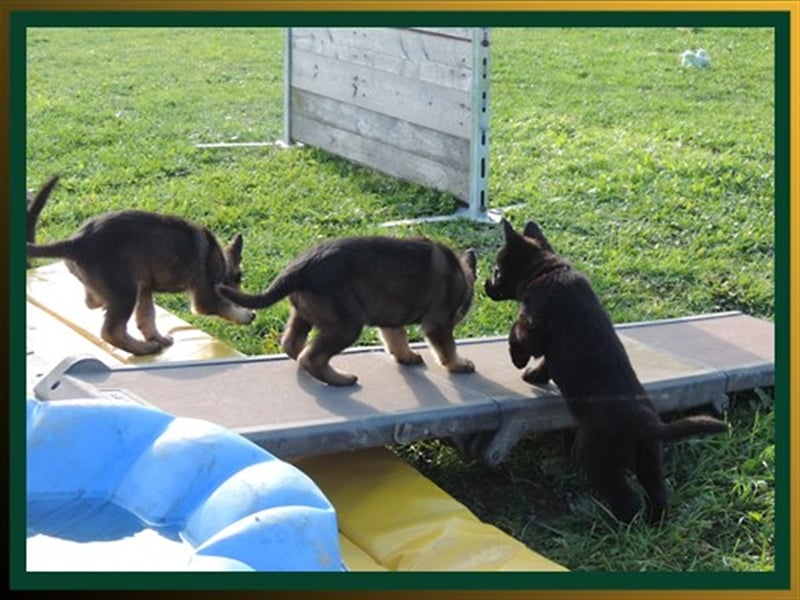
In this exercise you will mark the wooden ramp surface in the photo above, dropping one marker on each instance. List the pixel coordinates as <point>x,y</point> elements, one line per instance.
<point>683,363</point>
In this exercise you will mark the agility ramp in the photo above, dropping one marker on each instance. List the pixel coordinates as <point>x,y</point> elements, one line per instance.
<point>683,363</point>
<point>390,516</point>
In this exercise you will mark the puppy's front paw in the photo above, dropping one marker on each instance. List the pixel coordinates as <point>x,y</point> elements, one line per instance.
<point>410,358</point>
<point>536,375</point>
<point>519,355</point>
<point>140,348</point>
<point>161,340</point>
<point>461,365</point>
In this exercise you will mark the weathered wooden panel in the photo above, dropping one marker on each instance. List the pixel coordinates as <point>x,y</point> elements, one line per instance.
<point>409,102</point>
<point>391,160</point>
<point>431,105</point>
<point>404,135</point>
<point>407,53</point>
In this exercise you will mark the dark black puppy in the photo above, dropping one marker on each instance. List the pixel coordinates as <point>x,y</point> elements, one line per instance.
<point>562,320</point>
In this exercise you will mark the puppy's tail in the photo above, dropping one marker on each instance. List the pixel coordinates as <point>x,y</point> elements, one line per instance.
<point>690,426</point>
<point>286,283</point>
<point>36,204</point>
<point>63,249</point>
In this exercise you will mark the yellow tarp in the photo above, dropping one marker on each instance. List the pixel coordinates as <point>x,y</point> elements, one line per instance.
<point>53,289</point>
<point>390,516</point>
<point>402,521</point>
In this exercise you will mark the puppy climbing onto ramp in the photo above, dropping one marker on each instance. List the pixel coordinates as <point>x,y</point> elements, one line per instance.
<point>342,285</point>
<point>123,257</point>
<point>562,321</point>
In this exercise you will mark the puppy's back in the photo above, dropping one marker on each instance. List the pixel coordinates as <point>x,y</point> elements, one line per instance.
<point>584,354</point>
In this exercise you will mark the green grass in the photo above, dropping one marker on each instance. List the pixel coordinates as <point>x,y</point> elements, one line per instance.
<point>655,180</point>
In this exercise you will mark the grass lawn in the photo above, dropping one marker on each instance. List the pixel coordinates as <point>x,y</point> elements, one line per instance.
<point>655,180</point>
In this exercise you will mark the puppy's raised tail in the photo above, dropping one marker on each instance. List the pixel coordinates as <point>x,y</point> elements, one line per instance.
<point>36,204</point>
<point>63,249</point>
<point>690,426</point>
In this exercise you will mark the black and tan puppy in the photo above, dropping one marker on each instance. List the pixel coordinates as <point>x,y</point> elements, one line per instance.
<point>344,284</point>
<point>123,257</point>
<point>562,321</point>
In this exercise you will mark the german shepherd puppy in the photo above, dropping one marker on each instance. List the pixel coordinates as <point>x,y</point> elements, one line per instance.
<point>562,320</point>
<point>123,257</point>
<point>342,285</point>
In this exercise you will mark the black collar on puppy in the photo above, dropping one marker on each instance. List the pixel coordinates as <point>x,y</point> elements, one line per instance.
<point>545,272</point>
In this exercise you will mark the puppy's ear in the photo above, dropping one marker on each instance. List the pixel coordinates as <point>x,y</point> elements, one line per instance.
<point>533,231</point>
<point>470,259</point>
<point>508,230</point>
<point>215,258</point>
<point>235,248</point>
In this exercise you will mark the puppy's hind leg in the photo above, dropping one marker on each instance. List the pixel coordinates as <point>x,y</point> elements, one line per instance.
<point>650,473</point>
<point>441,338</point>
<point>119,308</point>
<point>605,468</point>
<point>146,318</point>
<point>330,340</point>
<point>395,340</point>
<point>295,334</point>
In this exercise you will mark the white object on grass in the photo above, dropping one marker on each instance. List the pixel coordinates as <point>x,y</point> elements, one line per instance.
<point>696,58</point>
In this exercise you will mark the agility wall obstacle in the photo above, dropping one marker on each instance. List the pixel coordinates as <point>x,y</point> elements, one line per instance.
<point>412,103</point>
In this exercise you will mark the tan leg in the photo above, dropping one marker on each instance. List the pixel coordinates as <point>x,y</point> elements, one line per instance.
<point>324,371</point>
<point>92,299</point>
<point>316,356</point>
<point>115,332</point>
<point>444,345</point>
<point>146,319</point>
<point>395,340</point>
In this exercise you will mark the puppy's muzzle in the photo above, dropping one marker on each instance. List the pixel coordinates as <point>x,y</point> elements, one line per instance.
<point>494,291</point>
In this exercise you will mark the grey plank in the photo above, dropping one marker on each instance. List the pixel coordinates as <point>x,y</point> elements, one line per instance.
<point>387,158</point>
<point>411,138</point>
<point>434,106</point>
<point>445,60</point>
<point>741,346</point>
<point>272,402</point>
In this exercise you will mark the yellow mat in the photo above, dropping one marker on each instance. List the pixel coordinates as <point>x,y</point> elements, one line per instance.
<point>53,289</point>
<point>390,516</point>
<point>402,521</point>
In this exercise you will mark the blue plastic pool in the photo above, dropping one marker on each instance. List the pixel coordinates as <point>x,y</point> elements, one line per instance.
<point>120,486</point>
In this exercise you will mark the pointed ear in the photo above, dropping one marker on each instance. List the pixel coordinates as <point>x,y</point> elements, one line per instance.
<point>470,259</point>
<point>235,248</point>
<point>533,231</point>
<point>508,230</point>
<point>513,239</point>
